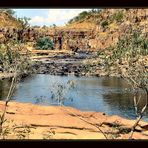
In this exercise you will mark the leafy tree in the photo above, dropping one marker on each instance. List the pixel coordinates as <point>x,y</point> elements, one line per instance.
<point>54,25</point>
<point>24,21</point>
<point>132,49</point>
<point>44,27</point>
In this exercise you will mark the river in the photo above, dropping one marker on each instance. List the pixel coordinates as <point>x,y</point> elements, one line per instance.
<point>110,95</point>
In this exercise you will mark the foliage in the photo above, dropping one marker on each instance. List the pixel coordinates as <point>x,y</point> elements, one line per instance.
<point>24,21</point>
<point>130,46</point>
<point>23,132</point>
<point>54,25</point>
<point>8,11</point>
<point>44,44</point>
<point>12,61</point>
<point>131,49</point>
<point>104,24</point>
<point>59,90</point>
<point>10,57</point>
<point>83,15</point>
<point>129,59</point>
<point>118,16</point>
<point>95,11</point>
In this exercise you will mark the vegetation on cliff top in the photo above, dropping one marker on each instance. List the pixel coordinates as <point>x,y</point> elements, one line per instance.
<point>9,19</point>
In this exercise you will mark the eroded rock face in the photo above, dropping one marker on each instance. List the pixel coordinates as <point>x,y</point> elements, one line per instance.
<point>13,34</point>
<point>96,39</point>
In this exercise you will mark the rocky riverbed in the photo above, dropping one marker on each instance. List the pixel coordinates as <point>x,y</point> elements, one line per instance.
<point>74,64</point>
<point>81,63</point>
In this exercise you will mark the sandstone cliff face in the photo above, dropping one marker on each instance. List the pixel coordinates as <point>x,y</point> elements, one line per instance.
<point>95,32</point>
<point>118,22</point>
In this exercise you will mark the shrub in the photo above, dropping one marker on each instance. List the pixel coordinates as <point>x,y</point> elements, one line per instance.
<point>118,16</point>
<point>131,45</point>
<point>104,24</point>
<point>10,57</point>
<point>44,44</point>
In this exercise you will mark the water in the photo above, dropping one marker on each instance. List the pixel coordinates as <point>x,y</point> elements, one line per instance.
<point>109,95</point>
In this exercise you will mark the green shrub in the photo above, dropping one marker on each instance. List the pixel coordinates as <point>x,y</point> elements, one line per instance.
<point>130,45</point>
<point>99,53</point>
<point>104,24</point>
<point>10,57</point>
<point>118,16</point>
<point>127,58</point>
<point>44,44</point>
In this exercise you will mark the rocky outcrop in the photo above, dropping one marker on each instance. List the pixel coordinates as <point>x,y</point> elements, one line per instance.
<point>28,121</point>
<point>8,34</point>
<point>86,34</point>
<point>111,24</point>
<point>7,20</point>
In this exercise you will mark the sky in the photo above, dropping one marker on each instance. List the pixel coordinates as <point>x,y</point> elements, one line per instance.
<point>48,17</point>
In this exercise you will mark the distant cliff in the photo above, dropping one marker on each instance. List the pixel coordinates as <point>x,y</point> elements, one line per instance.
<point>109,25</point>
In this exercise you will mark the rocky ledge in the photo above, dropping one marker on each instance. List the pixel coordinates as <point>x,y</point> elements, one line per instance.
<point>28,121</point>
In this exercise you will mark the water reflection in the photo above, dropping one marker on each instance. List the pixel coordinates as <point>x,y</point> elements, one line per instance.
<point>104,94</point>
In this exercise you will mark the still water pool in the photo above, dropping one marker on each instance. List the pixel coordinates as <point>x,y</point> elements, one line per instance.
<point>109,95</point>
